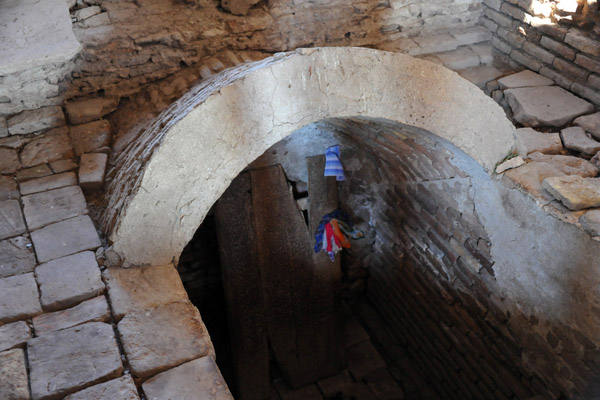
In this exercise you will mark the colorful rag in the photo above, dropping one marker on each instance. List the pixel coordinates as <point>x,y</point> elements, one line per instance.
<point>337,214</point>
<point>330,236</point>
<point>338,234</point>
<point>333,165</point>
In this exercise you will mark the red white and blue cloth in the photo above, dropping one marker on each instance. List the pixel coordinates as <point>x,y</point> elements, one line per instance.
<point>333,165</point>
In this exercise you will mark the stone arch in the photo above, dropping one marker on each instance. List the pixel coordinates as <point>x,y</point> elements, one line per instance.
<point>165,182</point>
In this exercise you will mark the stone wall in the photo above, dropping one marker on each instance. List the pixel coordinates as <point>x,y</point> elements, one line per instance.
<point>527,32</point>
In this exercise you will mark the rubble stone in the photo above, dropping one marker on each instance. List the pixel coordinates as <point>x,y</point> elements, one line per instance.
<point>121,388</point>
<point>44,208</point>
<point>93,310</point>
<point>9,161</point>
<point>33,172</point>
<point>238,7</point>
<point>16,256</point>
<point>18,298</point>
<point>574,138</point>
<point>54,145</point>
<point>11,219</point>
<point>36,120</point>
<point>8,188</point>
<point>63,166</point>
<point>13,335</point>
<point>91,171</point>
<point>13,385</point>
<point>91,136</point>
<point>529,140</point>
<point>590,222</point>
<point>48,183</point>
<point>591,124</point>
<point>525,78</point>
<point>514,162</point>
<point>87,110</point>
<point>575,192</point>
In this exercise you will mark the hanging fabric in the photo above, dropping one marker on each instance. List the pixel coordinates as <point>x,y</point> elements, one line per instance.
<point>333,165</point>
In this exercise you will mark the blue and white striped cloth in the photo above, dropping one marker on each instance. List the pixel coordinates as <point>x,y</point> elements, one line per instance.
<point>333,165</point>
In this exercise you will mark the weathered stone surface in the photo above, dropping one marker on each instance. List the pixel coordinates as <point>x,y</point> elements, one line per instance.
<point>91,171</point>
<point>16,256</point>
<point>472,35</point>
<point>238,7</point>
<point>590,222</point>
<point>45,208</point>
<point>514,162</point>
<point>159,339</point>
<point>460,58</point>
<point>93,310</point>
<point>36,120</point>
<point>363,358</point>
<point>545,105</point>
<point>8,188</point>
<point>67,281</point>
<point>13,335</point>
<point>524,78</point>
<point>198,379</point>
<point>574,138</point>
<point>122,389</point>
<point>48,183</point>
<point>582,41</point>
<point>333,385</point>
<point>13,385</point>
<point>569,165</point>
<point>530,141</point>
<point>65,238</point>
<point>134,289</point>
<point>86,13</point>
<point>65,361</point>
<point>18,297</point>
<point>82,111</point>
<point>33,172</point>
<point>11,219</point>
<point>55,145</point>
<point>257,20</point>
<point>429,44</point>
<point>9,161</point>
<point>91,136</point>
<point>591,124</point>
<point>575,192</point>
<point>3,127</point>
<point>63,166</point>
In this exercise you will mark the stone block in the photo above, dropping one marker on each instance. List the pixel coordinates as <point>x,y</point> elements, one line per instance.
<point>481,75</point>
<point>87,110</point>
<point>586,92</point>
<point>590,123</point>
<point>476,34</point>
<point>363,358</point>
<point>54,145</point>
<point>569,69</point>
<point>8,188</point>
<point>557,77</point>
<point>18,298</point>
<point>91,136</point>
<point>197,379</point>
<point>16,256</point>
<point>525,59</point>
<point>590,222</point>
<point>121,388</point>
<point>72,359</point>
<point>134,289</point>
<point>64,238</point>
<point>588,63</point>
<point>538,52</point>
<point>48,183</point>
<point>36,120</point>
<point>3,127</point>
<point>162,338</point>
<point>524,78</point>
<point>569,165</point>
<point>433,44</point>
<point>56,205</point>
<point>33,172</point>
<point>529,140</point>
<point>484,51</point>
<point>11,219</point>
<point>514,162</point>
<point>575,138</point>
<point>9,161</point>
<point>574,192</point>
<point>583,42</point>
<point>564,51</point>
<point>85,13</point>
<point>501,45</point>
<point>545,105</point>
<point>63,166</point>
<point>93,310</point>
<point>13,335</point>
<point>257,20</point>
<point>91,171</point>
<point>14,384</point>
<point>67,281</point>
<point>460,58</point>
<point>499,18</point>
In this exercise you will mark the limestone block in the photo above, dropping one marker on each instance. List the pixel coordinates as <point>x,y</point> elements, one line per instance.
<point>91,171</point>
<point>575,192</point>
<point>91,136</point>
<point>48,183</point>
<point>582,41</point>
<point>484,51</point>
<point>460,58</point>
<point>18,298</point>
<point>3,127</point>
<point>238,7</point>
<point>591,124</point>
<point>67,281</point>
<point>590,222</point>
<point>575,138</point>
<point>36,120</point>
<point>472,35</point>
<point>12,142</point>
<point>87,110</point>
<point>11,219</point>
<point>13,385</point>
<point>198,379</point>
<point>63,166</point>
<point>13,335</point>
<point>524,78</point>
<point>93,310</point>
<point>479,76</point>
<point>16,256</point>
<point>530,141</point>
<point>9,161</point>
<point>434,44</point>
<point>45,208</point>
<point>64,238</point>
<point>121,388</point>
<point>33,172</point>
<point>159,339</point>
<point>72,359</point>
<point>363,358</point>
<point>545,105</point>
<point>8,188</point>
<point>569,165</point>
<point>54,145</point>
<point>134,289</point>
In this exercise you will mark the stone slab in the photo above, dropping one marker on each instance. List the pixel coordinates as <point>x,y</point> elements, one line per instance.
<point>63,166</point>
<point>363,358</point>
<point>91,136</point>
<point>67,281</point>
<point>480,75</point>
<point>64,238</point>
<point>13,375</point>
<point>11,219</point>
<point>524,78</point>
<point>16,256</point>
<point>591,123</point>
<point>8,188</point>
<point>66,361</point>
<point>460,58</point>
<point>93,310</point>
<point>48,183</point>
<point>529,140</point>
<point>9,161</point>
<point>24,27</point>
<point>574,192</point>
<point>590,222</point>
<point>19,298</point>
<point>12,142</point>
<point>545,105</point>
<point>575,138</point>
<point>162,338</point>
<point>36,120</point>
<point>568,164</point>
<point>472,35</point>
<point>13,335</point>
<point>34,172</point>
<point>433,44</point>
<point>134,289</point>
<point>54,145</point>
<point>88,110</point>
<point>121,388</point>
<point>197,379</point>
<point>92,168</point>
<point>56,205</point>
